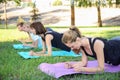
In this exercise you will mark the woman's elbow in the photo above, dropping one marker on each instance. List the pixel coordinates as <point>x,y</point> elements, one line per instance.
<point>84,64</point>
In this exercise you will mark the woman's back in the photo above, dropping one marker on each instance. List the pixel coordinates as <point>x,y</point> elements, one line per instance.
<point>56,41</point>
<point>111,50</point>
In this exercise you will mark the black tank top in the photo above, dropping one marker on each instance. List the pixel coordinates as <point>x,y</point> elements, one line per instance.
<point>57,42</point>
<point>92,49</point>
<point>111,50</point>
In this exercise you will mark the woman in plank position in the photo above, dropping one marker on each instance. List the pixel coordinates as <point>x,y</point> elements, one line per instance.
<point>105,51</point>
<point>36,40</point>
<point>49,39</point>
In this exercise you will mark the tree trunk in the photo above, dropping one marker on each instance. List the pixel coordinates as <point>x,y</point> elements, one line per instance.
<point>5,12</point>
<point>117,3</point>
<point>99,16</point>
<point>72,13</point>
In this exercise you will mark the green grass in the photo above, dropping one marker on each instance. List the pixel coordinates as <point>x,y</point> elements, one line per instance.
<point>14,67</point>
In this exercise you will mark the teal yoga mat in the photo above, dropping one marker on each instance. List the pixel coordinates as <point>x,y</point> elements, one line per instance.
<point>64,53</point>
<point>26,55</point>
<point>54,53</point>
<point>20,46</point>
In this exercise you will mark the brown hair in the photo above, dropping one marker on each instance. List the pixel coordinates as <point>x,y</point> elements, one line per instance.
<point>39,28</point>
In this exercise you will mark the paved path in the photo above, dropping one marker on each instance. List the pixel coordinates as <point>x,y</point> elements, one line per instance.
<point>60,16</point>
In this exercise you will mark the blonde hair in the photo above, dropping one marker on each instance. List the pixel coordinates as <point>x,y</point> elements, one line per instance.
<point>27,24</point>
<point>71,35</point>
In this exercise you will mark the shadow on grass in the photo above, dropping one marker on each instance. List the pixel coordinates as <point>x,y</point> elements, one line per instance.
<point>11,9</point>
<point>46,17</point>
<point>103,76</point>
<point>103,34</point>
<point>110,34</point>
<point>114,21</point>
<point>1,77</point>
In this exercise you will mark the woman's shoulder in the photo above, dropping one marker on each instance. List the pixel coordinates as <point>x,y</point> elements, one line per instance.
<point>49,29</point>
<point>100,38</point>
<point>52,32</point>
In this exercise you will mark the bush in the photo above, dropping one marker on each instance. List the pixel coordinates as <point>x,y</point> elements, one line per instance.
<point>17,2</point>
<point>57,3</point>
<point>84,4</point>
<point>30,4</point>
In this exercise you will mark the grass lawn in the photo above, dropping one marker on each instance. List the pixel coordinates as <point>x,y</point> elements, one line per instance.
<point>14,67</point>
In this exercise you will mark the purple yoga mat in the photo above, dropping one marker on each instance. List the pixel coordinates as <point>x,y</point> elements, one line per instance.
<point>57,70</point>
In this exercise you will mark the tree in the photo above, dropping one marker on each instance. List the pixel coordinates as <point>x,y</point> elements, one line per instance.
<point>89,3</point>
<point>17,2</point>
<point>72,13</point>
<point>84,3</point>
<point>5,12</point>
<point>99,14</point>
<point>34,13</point>
<point>109,3</point>
<point>117,3</point>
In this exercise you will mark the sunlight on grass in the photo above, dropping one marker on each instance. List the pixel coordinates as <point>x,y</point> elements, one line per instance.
<point>11,35</point>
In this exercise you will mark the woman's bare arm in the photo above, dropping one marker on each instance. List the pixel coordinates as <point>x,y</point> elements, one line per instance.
<point>98,47</point>
<point>34,44</point>
<point>49,37</point>
<point>47,44</point>
<point>81,63</point>
<point>40,53</point>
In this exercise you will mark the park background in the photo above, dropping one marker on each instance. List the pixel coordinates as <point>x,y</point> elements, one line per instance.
<point>58,17</point>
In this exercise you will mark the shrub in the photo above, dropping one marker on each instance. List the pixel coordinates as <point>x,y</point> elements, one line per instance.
<point>57,3</point>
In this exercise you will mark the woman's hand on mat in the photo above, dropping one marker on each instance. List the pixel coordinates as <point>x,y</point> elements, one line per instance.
<point>68,65</point>
<point>78,64</point>
<point>21,41</point>
<point>32,53</point>
<point>24,44</point>
<point>78,69</point>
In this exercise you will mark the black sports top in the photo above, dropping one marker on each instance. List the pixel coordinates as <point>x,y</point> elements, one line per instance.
<point>111,50</point>
<point>56,41</point>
